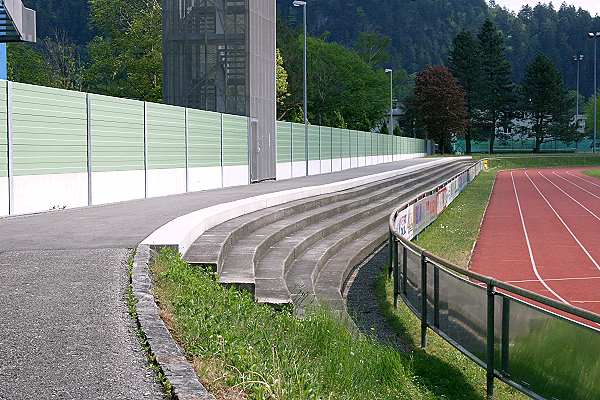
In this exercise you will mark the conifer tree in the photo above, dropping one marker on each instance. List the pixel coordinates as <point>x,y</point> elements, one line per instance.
<point>464,62</point>
<point>497,90</point>
<point>545,102</point>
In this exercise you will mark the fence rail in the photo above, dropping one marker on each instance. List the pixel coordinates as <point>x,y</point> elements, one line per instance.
<point>542,347</point>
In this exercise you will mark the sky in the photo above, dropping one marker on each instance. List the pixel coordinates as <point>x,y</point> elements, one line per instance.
<point>593,6</point>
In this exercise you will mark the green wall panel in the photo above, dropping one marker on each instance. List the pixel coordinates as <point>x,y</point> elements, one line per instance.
<point>166,136</point>
<point>353,143</point>
<point>336,143</point>
<point>345,143</point>
<point>3,136</point>
<point>374,149</point>
<point>298,149</point>
<point>117,130</point>
<point>362,144</point>
<point>49,130</point>
<point>325,143</point>
<point>382,145</point>
<point>204,139</point>
<point>235,140</point>
<point>390,144</point>
<point>313,143</point>
<point>284,142</point>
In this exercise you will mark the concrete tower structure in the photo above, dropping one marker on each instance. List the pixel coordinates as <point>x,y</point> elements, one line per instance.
<point>219,55</point>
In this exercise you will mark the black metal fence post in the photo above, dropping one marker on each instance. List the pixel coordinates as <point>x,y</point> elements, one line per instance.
<point>490,341</point>
<point>505,333</point>
<point>404,269</point>
<point>436,296</point>
<point>396,272</point>
<point>390,254</point>
<point>423,300</point>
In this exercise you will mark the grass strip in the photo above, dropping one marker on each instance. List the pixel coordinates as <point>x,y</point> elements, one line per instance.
<point>594,173</point>
<point>438,361</point>
<point>165,384</point>
<point>241,349</point>
<point>514,161</point>
<point>454,233</point>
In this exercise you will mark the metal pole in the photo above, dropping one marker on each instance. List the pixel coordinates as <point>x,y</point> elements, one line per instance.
<point>577,112</point>
<point>305,92</point>
<point>595,90</point>
<point>391,103</point>
<point>490,342</point>
<point>423,301</point>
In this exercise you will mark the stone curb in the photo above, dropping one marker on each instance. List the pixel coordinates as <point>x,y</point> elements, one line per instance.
<point>169,355</point>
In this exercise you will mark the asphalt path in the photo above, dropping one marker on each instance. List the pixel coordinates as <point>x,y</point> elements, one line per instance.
<point>64,328</point>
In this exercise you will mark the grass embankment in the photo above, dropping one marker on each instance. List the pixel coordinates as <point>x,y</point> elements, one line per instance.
<point>245,350</point>
<point>594,173</point>
<point>512,161</point>
<point>453,234</point>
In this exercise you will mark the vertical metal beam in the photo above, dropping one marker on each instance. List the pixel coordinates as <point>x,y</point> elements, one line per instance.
<point>222,158</point>
<point>145,150</point>
<point>490,342</point>
<point>10,144</point>
<point>390,254</point>
<point>423,301</point>
<point>88,112</point>
<point>187,165</point>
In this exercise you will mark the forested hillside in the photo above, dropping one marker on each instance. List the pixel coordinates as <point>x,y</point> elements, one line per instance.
<point>422,31</point>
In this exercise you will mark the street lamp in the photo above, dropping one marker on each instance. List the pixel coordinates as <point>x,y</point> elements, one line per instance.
<point>595,36</point>
<point>578,59</point>
<point>299,3</point>
<point>391,72</point>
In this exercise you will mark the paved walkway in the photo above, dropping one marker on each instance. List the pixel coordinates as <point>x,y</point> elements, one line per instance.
<point>64,328</point>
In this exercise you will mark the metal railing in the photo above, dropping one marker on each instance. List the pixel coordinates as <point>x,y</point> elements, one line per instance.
<point>544,348</point>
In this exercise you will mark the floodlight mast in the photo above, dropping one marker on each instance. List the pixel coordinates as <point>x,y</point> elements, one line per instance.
<point>299,3</point>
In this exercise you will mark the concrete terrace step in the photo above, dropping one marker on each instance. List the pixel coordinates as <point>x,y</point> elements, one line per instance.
<point>239,265</point>
<point>336,233</point>
<point>213,245</point>
<point>305,250</point>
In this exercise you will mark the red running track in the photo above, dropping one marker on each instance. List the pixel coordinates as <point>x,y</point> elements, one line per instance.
<point>541,232</point>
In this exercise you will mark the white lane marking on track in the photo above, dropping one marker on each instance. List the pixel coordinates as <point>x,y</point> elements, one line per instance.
<point>583,179</point>
<point>587,253</point>
<point>531,258</point>
<point>574,184</point>
<point>557,279</point>
<point>569,196</point>
<point>586,301</point>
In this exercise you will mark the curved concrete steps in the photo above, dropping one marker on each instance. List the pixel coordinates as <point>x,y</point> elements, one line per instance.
<point>306,249</point>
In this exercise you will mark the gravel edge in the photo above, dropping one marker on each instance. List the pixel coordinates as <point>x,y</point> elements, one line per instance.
<point>169,356</point>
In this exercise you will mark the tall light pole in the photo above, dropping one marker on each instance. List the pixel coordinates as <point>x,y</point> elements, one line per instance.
<point>391,72</point>
<point>595,36</point>
<point>578,59</point>
<point>299,3</point>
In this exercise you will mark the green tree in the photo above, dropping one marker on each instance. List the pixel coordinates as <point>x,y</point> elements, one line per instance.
<point>589,115</point>
<point>441,102</point>
<point>464,62</point>
<point>545,102</point>
<point>341,86</point>
<point>496,90</point>
<point>64,62</point>
<point>384,130</point>
<point>126,56</point>
<point>373,48</point>
<point>27,65</point>
<point>282,85</point>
